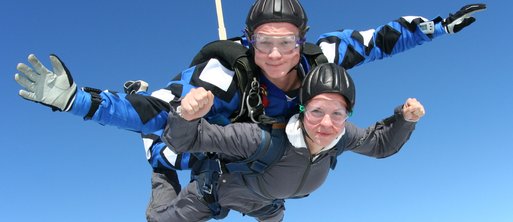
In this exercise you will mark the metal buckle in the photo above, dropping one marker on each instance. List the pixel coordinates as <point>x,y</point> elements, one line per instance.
<point>207,189</point>
<point>220,168</point>
<point>254,92</point>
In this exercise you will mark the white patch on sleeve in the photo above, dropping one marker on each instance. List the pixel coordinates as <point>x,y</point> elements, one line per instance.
<point>329,50</point>
<point>163,94</point>
<point>411,18</point>
<point>216,74</point>
<point>147,144</point>
<point>170,155</point>
<point>367,36</point>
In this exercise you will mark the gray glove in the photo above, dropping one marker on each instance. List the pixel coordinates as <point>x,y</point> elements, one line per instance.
<point>55,89</point>
<point>462,18</point>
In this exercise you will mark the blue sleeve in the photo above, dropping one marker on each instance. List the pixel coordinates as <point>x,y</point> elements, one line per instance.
<point>116,110</point>
<point>161,157</point>
<point>350,48</point>
<point>147,114</point>
<point>136,112</point>
<point>144,113</point>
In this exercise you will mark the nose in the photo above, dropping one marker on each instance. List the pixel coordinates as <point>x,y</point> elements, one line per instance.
<point>326,120</point>
<point>275,53</point>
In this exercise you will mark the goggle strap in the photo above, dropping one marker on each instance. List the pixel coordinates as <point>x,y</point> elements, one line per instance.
<point>301,108</point>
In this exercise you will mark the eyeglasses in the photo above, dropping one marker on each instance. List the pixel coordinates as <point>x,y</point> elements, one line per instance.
<point>316,115</point>
<point>267,43</point>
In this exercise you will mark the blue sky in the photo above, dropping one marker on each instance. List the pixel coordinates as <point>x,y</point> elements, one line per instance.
<point>456,167</point>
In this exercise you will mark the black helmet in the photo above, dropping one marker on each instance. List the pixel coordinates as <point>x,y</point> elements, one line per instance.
<point>265,11</point>
<point>328,78</point>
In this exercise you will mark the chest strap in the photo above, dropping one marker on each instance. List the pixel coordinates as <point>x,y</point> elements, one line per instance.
<point>271,150</point>
<point>207,171</point>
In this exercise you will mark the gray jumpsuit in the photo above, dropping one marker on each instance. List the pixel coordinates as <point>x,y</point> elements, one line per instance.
<point>297,174</point>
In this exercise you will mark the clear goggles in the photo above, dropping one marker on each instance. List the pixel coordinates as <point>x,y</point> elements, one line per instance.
<point>267,43</point>
<point>316,115</point>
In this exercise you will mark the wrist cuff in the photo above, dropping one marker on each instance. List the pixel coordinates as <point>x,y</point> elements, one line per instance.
<point>96,100</point>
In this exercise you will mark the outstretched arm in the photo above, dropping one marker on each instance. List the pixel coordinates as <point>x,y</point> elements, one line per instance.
<point>350,48</point>
<point>386,137</point>
<point>135,112</point>
<point>56,89</point>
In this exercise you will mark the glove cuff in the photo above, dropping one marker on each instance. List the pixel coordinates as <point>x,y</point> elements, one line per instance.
<point>72,100</point>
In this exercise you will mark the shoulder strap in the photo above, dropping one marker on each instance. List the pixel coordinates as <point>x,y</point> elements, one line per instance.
<point>269,152</point>
<point>233,55</point>
<point>314,54</point>
<point>226,51</point>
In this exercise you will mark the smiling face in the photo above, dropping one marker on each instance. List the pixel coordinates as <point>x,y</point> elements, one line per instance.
<point>275,65</point>
<point>324,120</point>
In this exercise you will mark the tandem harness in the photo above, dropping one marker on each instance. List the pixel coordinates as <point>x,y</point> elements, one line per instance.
<point>238,58</point>
<point>208,170</point>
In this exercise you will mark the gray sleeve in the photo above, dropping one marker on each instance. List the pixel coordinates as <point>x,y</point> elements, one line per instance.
<point>383,139</point>
<point>238,140</point>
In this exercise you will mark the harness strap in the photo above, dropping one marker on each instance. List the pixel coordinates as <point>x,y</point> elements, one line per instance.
<point>314,55</point>
<point>270,209</point>
<point>227,51</point>
<point>206,175</point>
<point>208,170</point>
<point>270,151</point>
<point>252,163</point>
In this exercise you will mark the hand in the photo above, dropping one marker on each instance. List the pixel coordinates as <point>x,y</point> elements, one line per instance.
<point>133,87</point>
<point>196,103</point>
<point>413,110</point>
<point>462,18</point>
<point>55,89</point>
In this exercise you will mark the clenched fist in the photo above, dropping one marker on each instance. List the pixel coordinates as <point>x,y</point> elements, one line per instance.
<point>196,103</point>
<point>413,110</point>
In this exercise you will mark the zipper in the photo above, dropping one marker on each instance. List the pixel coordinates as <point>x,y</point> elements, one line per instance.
<point>306,172</point>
